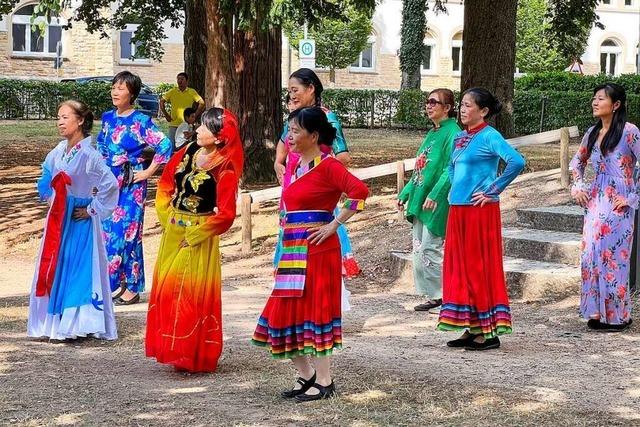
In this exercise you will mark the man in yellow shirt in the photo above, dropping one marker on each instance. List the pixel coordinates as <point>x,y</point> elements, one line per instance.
<point>180,98</point>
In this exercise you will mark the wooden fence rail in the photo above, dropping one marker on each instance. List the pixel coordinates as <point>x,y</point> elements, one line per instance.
<point>400,167</point>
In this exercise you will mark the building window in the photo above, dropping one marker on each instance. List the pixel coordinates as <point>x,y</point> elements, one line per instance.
<point>606,1</point>
<point>428,65</point>
<point>366,59</point>
<point>610,54</point>
<point>129,49</point>
<point>29,41</point>
<point>456,53</point>
<point>628,2</point>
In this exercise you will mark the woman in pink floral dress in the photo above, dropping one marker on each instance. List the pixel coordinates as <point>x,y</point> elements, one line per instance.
<point>612,146</point>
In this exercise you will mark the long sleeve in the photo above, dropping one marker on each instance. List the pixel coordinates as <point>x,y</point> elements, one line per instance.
<point>632,139</point>
<point>515,163</point>
<point>443,185</point>
<point>406,192</point>
<point>226,193</point>
<point>154,138</point>
<point>105,199</point>
<point>578,164</point>
<point>101,144</point>
<point>167,187</point>
<point>347,183</point>
<point>44,182</point>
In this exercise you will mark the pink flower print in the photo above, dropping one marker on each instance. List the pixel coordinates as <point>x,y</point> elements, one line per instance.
<point>131,231</point>
<point>106,237</point>
<point>610,191</point>
<point>624,254</point>
<point>606,256</point>
<point>118,214</point>
<point>120,159</point>
<point>605,230</point>
<point>137,196</point>
<point>613,265</point>
<point>585,274</point>
<point>609,277</point>
<point>622,291</point>
<point>421,161</point>
<point>120,178</point>
<point>135,129</point>
<point>135,270</point>
<point>153,138</point>
<point>116,136</point>
<point>114,264</point>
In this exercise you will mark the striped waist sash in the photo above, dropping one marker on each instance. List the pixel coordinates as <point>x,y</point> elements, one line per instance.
<point>291,272</point>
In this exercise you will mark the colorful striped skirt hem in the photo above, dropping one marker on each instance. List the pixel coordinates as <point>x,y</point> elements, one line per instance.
<point>299,340</point>
<point>496,321</point>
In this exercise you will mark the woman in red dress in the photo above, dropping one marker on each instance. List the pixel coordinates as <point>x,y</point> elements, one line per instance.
<point>302,319</point>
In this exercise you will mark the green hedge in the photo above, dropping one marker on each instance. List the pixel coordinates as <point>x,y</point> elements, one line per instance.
<point>563,81</point>
<point>39,99</point>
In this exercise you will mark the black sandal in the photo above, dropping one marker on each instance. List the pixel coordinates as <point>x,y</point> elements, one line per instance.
<point>606,327</point>
<point>432,303</point>
<point>325,393</point>
<point>120,301</point>
<point>304,386</point>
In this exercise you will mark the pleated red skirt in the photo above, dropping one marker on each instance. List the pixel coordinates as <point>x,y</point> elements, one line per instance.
<point>311,324</point>
<point>474,293</point>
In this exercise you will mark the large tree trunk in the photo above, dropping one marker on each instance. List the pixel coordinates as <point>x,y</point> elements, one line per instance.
<point>489,53</point>
<point>243,75</point>
<point>414,22</point>
<point>195,44</point>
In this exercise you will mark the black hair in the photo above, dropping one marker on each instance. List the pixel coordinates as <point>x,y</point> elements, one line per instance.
<point>314,119</point>
<point>610,140</point>
<point>183,74</point>
<point>188,111</point>
<point>447,99</point>
<point>484,99</point>
<point>212,119</point>
<point>132,81</point>
<point>81,110</point>
<point>308,77</point>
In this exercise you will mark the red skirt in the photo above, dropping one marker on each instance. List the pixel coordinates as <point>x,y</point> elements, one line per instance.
<point>474,293</point>
<point>311,324</point>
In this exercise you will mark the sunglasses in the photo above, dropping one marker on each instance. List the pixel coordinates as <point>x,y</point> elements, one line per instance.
<point>433,102</point>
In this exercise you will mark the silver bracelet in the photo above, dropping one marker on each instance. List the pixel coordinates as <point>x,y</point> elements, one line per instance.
<point>338,221</point>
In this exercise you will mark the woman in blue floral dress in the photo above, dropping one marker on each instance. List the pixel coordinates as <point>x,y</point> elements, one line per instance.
<point>125,134</point>
<point>613,147</point>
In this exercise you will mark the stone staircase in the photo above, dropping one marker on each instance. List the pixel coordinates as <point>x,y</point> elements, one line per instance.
<point>542,254</point>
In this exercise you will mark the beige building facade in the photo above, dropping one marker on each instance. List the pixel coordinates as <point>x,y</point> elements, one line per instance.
<point>25,54</point>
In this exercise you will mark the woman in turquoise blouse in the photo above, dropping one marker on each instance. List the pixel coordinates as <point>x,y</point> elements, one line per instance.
<point>475,298</point>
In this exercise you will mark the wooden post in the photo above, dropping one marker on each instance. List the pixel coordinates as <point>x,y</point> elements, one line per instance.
<point>400,183</point>
<point>564,157</point>
<point>245,212</point>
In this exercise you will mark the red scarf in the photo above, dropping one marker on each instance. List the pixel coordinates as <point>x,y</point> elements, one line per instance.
<point>53,235</point>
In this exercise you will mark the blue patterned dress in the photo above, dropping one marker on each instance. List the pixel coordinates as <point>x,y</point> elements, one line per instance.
<point>121,141</point>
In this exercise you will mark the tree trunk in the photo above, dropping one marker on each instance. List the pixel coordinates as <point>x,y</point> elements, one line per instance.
<point>195,44</point>
<point>411,80</point>
<point>488,57</point>
<point>243,75</point>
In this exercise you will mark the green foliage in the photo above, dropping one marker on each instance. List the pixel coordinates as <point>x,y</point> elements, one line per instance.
<point>338,41</point>
<point>411,109</point>
<point>148,14</point>
<point>571,22</point>
<point>534,50</point>
<point>414,25</point>
<point>163,88</point>
<point>559,81</point>
<point>38,99</point>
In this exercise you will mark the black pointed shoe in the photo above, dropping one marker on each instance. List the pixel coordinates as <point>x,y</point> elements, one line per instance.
<point>304,386</point>
<point>325,393</point>
<point>461,342</point>
<point>120,301</point>
<point>489,344</point>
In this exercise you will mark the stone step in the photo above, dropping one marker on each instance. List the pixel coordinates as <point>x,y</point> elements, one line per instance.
<point>526,279</point>
<point>566,218</point>
<point>542,245</point>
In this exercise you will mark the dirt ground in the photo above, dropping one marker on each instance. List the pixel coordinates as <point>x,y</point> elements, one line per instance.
<point>394,370</point>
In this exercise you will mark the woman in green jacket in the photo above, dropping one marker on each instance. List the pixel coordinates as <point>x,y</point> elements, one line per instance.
<point>425,197</point>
